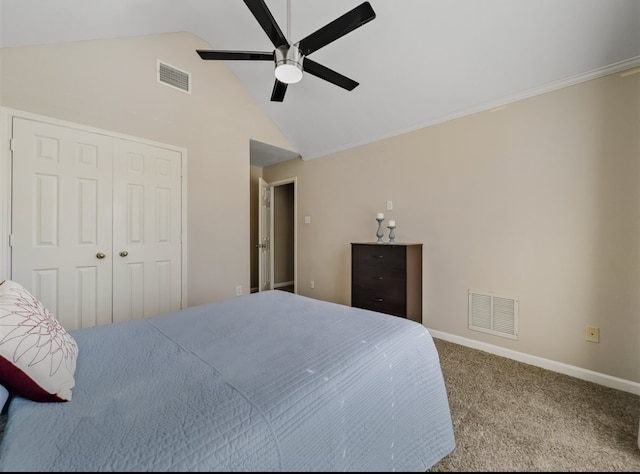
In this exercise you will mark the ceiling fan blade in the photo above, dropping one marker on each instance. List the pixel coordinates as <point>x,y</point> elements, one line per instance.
<point>337,28</point>
<point>235,55</point>
<point>267,22</point>
<point>327,74</point>
<point>279,88</point>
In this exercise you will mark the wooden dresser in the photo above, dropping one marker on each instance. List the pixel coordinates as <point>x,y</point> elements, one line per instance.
<point>387,278</point>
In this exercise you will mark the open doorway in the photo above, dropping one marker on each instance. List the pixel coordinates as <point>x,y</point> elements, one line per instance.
<point>273,234</point>
<point>273,226</point>
<point>283,236</point>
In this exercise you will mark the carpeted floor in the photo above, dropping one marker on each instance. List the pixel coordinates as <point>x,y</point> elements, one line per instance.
<point>511,416</point>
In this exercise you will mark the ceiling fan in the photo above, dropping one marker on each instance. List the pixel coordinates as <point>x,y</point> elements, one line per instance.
<point>291,59</point>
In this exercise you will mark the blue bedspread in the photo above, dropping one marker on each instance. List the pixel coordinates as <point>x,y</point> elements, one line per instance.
<point>270,381</point>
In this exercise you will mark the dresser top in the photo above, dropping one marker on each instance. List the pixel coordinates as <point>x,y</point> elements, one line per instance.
<point>396,244</point>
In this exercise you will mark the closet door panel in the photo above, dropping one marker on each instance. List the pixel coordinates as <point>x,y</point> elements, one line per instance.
<point>147,230</point>
<point>62,219</point>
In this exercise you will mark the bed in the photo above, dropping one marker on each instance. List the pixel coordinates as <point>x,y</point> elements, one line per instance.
<point>271,381</point>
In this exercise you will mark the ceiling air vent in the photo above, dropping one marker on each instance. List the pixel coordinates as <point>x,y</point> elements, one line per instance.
<point>174,77</point>
<point>493,314</point>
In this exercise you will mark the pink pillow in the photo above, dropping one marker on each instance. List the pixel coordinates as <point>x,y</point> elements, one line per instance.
<point>37,356</point>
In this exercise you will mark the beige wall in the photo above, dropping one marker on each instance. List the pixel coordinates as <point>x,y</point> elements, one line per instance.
<point>111,84</point>
<point>539,201</point>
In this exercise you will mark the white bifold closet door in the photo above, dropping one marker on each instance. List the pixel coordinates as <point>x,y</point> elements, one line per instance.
<point>96,223</point>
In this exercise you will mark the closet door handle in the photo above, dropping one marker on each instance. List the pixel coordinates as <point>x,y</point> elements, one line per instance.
<point>124,253</point>
<point>100,255</point>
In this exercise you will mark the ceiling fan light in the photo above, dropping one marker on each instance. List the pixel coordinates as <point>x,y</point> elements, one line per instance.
<point>288,64</point>
<point>288,73</point>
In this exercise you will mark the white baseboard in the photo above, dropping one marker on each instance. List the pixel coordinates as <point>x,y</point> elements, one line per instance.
<point>275,286</point>
<point>584,374</point>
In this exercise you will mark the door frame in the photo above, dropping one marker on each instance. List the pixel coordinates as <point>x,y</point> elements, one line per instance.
<point>6,174</point>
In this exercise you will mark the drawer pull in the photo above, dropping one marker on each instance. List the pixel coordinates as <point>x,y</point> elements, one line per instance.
<point>378,278</point>
<point>379,300</point>
<point>378,256</point>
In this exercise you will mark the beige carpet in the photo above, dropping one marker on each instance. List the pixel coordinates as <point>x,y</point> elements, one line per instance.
<point>510,416</point>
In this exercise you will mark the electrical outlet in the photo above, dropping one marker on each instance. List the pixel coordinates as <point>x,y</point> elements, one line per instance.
<point>239,290</point>
<point>592,334</point>
<point>312,284</point>
<point>389,205</point>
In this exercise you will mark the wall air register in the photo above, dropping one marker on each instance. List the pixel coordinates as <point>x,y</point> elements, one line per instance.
<point>494,314</point>
<point>174,77</point>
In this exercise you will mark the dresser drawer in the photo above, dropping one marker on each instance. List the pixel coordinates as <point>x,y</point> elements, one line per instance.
<point>377,257</point>
<point>371,275</point>
<point>390,302</point>
<point>380,281</point>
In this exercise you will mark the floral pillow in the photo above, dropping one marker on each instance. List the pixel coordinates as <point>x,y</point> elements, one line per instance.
<point>37,356</point>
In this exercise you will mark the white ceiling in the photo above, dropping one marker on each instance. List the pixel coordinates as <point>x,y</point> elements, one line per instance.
<point>419,62</point>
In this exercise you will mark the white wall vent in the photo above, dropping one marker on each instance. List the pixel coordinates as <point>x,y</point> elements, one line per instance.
<point>174,77</point>
<point>494,314</point>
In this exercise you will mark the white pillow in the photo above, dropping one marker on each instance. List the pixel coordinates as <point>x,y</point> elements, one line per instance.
<point>37,355</point>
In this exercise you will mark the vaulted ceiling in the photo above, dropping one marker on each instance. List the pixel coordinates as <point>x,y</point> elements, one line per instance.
<point>419,62</point>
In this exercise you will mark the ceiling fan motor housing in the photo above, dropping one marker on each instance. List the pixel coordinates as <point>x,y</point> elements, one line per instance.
<point>288,64</point>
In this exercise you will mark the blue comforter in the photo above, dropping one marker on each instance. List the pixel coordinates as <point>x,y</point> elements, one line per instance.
<point>265,382</point>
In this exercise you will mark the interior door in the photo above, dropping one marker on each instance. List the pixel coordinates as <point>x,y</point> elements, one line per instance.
<point>147,233</point>
<point>265,234</point>
<point>62,218</point>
